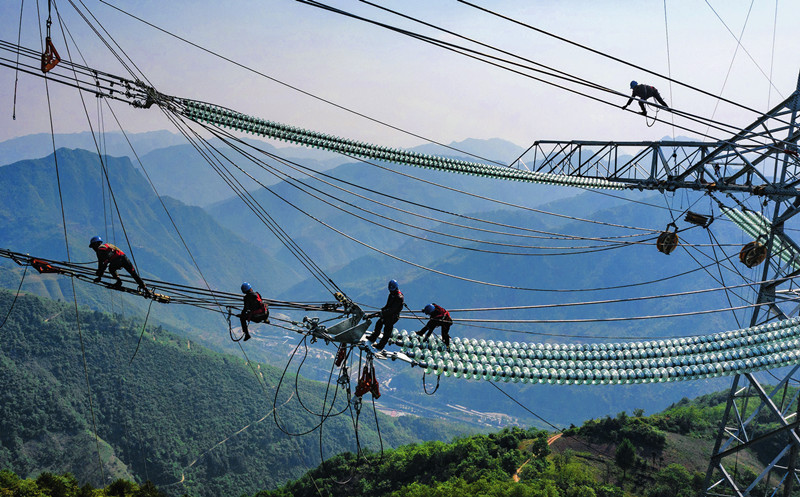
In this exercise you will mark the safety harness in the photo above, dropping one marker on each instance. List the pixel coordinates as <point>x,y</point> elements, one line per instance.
<point>109,252</point>
<point>260,309</point>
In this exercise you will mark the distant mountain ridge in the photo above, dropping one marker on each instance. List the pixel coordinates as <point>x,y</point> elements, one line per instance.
<point>178,170</point>
<point>40,145</point>
<point>233,246</point>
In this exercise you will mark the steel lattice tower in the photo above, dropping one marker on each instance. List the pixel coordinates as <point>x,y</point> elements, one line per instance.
<point>760,160</point>
<point>755,418</point>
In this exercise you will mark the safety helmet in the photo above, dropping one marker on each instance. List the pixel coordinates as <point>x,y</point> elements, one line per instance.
<point>393,285</point>
<point>634,84</point>
<point>246,287</point>
<point>96,240</point>
<point>428,309</point>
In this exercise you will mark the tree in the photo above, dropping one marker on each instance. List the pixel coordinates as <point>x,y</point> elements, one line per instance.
<point>625,456</point>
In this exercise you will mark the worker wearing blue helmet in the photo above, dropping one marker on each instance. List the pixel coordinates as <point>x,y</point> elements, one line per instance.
<point>255,309</point>
<point>643,92</point>
<point>111,257</point>
<point>438,317</point>
<point>389,315</point>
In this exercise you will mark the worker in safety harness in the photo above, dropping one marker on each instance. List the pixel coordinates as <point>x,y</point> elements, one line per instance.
<point>643,92</point>
<point>438,317</point>
<point>111,256</point>
<point>255,309</point>
<point>388,316</point>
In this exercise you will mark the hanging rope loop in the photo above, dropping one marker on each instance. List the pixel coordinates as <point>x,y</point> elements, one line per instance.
<point>424,386</point>
<point>655,118</point>
<point>230,327</point>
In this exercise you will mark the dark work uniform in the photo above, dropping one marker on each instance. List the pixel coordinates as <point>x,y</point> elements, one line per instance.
<point>439,317</point>
<point>111,256</point>
<point>255,310</point>
<point>390,313</point>
<point>644,92</point>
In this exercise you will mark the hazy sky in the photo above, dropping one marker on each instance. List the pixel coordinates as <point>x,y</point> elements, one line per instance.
<point>413,85</point>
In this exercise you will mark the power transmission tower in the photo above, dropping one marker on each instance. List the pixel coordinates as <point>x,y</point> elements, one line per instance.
<point>761,160</point>
<point>757,417</point>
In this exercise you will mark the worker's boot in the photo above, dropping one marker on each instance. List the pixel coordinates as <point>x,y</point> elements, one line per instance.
<point>246,335</point>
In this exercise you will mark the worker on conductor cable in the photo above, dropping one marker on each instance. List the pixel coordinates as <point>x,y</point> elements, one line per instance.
<point>389,315</point>
<point>643,92</point>
<point>438,317</point>
<point>111,256</point>
<point>255,309</point>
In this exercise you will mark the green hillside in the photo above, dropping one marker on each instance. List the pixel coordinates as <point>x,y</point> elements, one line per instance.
<point>184,417</point>
<point>663,455</point>
<point>66,485</point>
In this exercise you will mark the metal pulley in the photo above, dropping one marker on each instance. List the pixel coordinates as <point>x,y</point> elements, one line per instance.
<point>50,57</point>
<point>668,240</point>
<point>753,254</point>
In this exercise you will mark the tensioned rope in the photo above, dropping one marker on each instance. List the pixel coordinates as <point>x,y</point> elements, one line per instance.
<point>178,293</point>
<point>456,190</point>
<point>323,178</point>
<point>101,158</point>
<point>317,194</point>
<point>384,153</point>
<point>516,68</point>
<point>217,162</point>
<point>736,50</point>
<point>223,302</point>
<point>16,296</point>
<point>740,45</point>
<point>66,245</point>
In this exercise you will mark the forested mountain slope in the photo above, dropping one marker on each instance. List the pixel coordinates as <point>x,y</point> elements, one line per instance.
<point>188,419</point>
